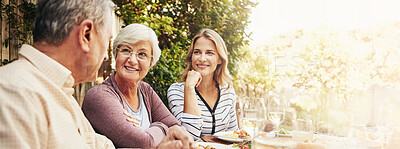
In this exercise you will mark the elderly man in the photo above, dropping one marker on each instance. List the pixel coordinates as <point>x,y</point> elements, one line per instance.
<point>37,109</point>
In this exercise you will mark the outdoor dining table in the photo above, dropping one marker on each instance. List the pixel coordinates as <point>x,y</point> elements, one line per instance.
<point>213,139</point>
<point>331,142</point>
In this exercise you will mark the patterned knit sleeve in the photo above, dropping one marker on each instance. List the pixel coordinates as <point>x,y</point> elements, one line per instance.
<point>232,113</point>
<point>192,123</point>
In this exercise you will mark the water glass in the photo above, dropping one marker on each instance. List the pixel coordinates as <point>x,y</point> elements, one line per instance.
<point>248,114</point>
<point>302,130</point>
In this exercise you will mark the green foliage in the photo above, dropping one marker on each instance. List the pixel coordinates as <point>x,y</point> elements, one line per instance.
<point>176,22</point>
<point>167,71</point>
<point>249,84</point>
<point>20,19</point>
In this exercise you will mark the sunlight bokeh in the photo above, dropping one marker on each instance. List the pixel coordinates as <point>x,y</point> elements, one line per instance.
<point>335,60</point>
<point>274,17</point>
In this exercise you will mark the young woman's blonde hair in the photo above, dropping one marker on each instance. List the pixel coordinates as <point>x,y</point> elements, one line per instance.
<point>221,73</point>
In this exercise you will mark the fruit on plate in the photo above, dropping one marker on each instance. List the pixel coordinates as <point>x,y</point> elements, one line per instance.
<point>243,135</point>
<point>204,147</point>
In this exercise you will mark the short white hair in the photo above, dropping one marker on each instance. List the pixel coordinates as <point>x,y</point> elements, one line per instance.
<point>134,33</point>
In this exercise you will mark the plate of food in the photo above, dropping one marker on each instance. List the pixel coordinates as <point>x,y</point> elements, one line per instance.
<point>284,133</point>
<point>208,145</point>
<point>233,136</point>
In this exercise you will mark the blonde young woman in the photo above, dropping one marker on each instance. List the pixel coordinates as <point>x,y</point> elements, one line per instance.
<point>204,102</point>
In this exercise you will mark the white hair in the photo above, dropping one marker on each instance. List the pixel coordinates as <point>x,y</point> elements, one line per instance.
<point>134,33</point>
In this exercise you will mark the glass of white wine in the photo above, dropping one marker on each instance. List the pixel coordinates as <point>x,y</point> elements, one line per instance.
<point>263,137</point>
<point>276,109</point>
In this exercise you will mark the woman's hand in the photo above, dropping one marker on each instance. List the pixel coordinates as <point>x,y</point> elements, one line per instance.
<point>177,137</point>
<point>193,78</point>
<point>132,119</point>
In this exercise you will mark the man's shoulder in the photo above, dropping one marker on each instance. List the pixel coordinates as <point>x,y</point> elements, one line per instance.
<point>18,72</point>
<point>22,78</point>
<point>19,84</point>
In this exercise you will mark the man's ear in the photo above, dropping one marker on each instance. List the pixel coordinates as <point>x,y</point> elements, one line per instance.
<point>85,34</point>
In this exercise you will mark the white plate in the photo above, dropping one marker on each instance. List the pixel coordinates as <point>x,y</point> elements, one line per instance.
<point>215,145</point>
<point>285,135</point>
<point>221,135</point>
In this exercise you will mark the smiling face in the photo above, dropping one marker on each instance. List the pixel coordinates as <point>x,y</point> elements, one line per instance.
<point>205,57</point>
<point>131,69</point>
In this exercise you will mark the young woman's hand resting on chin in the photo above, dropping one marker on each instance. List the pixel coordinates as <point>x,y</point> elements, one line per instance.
<point>193,79</point>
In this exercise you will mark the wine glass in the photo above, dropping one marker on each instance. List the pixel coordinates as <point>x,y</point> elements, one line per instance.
<point>358,134</point>
<point>276,110</point>
<point>382,118</point>
<point>267,113</point>
<point>248,114</point>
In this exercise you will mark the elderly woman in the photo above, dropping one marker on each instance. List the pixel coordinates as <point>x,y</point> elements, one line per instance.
<point>124,108</point>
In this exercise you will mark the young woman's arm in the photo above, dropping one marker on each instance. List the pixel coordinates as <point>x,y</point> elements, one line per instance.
<point>192,123</point>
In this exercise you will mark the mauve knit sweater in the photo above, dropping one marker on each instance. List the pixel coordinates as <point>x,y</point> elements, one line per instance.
<point>103,106</point>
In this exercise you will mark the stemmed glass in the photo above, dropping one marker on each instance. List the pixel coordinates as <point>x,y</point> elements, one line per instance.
<point>248,115</point>
<point>358,134</point>
<point>382,118</point>
<point>273,110</point>
<point>276,110</point>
